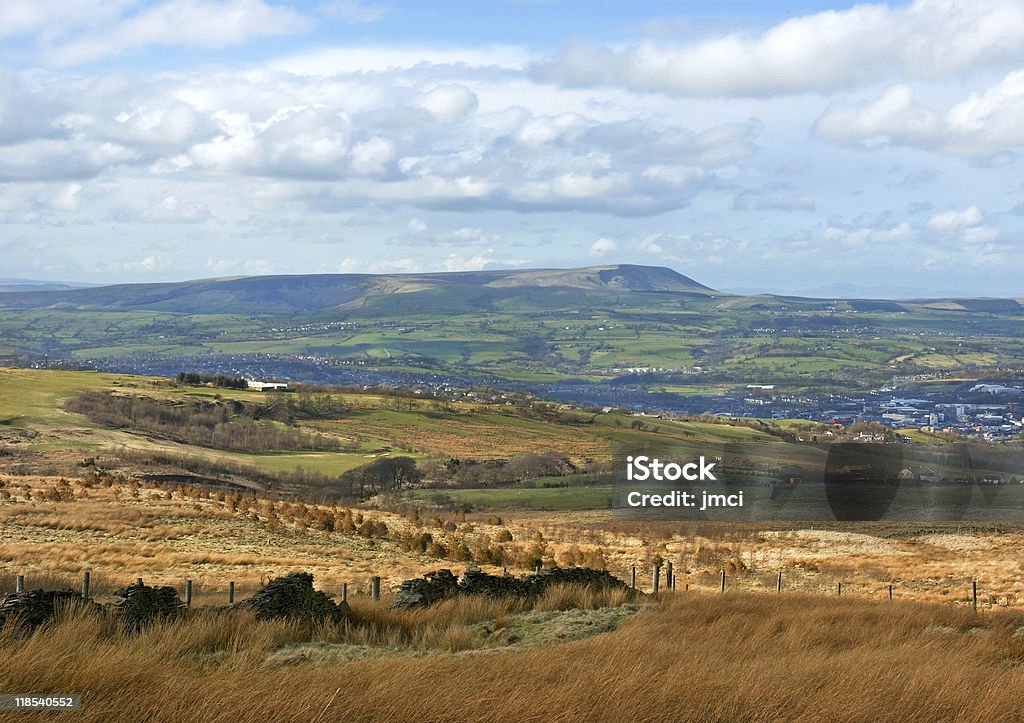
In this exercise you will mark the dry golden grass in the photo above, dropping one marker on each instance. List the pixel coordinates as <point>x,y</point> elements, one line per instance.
<point>737,657</point>
<point>62,526</point>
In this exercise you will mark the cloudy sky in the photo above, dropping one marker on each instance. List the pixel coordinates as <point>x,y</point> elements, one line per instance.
<point>751,145</point>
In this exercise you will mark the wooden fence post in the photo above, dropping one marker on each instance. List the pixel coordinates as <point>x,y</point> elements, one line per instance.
<point>19,584</point>
<point>657,578</point>
<point>723,579</point>
<point>839,588</point>
<point>344,592</point>
<point>668,577</point>
<point>231,592</point>
<point>85,585</point>
<point>634,577</point>
<point>375,587</point>
<point>188,593</point>
<point>974,594</point>
<point>890,591</point>
<point>778,582</point>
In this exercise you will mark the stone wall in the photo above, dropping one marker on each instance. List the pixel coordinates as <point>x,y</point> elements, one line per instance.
<point>293,597</point>
<point>139,605</point>
<point>435,586</point>
<point>32,608</point>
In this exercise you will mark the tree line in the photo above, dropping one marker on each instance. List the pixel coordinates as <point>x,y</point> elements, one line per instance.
<point>196,379</point>
<point>216,424</point>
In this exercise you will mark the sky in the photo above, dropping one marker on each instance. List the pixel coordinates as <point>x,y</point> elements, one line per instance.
<point>754,146</point>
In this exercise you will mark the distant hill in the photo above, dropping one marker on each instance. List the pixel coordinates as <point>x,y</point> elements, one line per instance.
<point>325,292</point>
<point>31,285</point>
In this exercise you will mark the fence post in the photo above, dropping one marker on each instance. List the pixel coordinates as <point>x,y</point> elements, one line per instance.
<point>657,578</point>
<point>375,587</point>
<point>672,583</point>
<point>668,577</point>
<point>634,577</point>
<point>19,584</point>
<point>85,585</point>
<point>839,588</point>
<point>188,593</point>
<point>231,592</point>
<point>778,583</point>
<point>344,592</point>
<point>723,579</point>
<point>974,594</point>
<point>890,591</point>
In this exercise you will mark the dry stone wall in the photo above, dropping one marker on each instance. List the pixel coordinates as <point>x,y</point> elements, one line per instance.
<point>435,586</point>
<point>139,604</point>
<point>292,596</point>
<point>32,608</point>
<point>288,597</point>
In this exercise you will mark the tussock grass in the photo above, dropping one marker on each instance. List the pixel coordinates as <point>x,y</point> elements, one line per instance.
<point>696,657</point>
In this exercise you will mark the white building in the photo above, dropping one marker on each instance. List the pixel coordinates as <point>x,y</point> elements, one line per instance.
<point>266,386</point>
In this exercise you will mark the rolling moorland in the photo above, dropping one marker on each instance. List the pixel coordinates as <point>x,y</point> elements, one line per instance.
<point>146,476</point>
<point>639,325</point>
<point>530,485</point>
<point>131,500</point>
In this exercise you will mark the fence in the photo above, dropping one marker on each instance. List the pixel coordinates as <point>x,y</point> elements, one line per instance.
<point>372,586</point>
<point>187,590</point>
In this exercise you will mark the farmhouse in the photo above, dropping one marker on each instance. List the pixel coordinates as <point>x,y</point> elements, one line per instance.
<point>266,386</point>
<point>924,474</point>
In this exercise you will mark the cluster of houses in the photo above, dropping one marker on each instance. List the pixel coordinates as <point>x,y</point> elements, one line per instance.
<point>991,412</point>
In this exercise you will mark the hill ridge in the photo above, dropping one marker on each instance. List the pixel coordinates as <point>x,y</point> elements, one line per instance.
<point>324,292</point>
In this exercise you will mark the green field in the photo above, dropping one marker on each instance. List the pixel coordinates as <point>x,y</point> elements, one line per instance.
<point>689,342</point>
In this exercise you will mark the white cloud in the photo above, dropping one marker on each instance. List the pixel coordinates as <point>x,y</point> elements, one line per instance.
<point>826,51</point>
<point>868,235</point>
<point>296,142</point>
<point>602,246</point>
<point>240,266</point>
<point>983,123</point>
<point>68,198</point>
<point>372,156</point>
<point>338,61</point>
<point>193,23</point>
<point>956,220</point>
<point>151,264</point>
<point>984,234</point>
<point>447,102</point>
<point>477,262</point>
<point>58,159</point>
<point>55,17</point>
